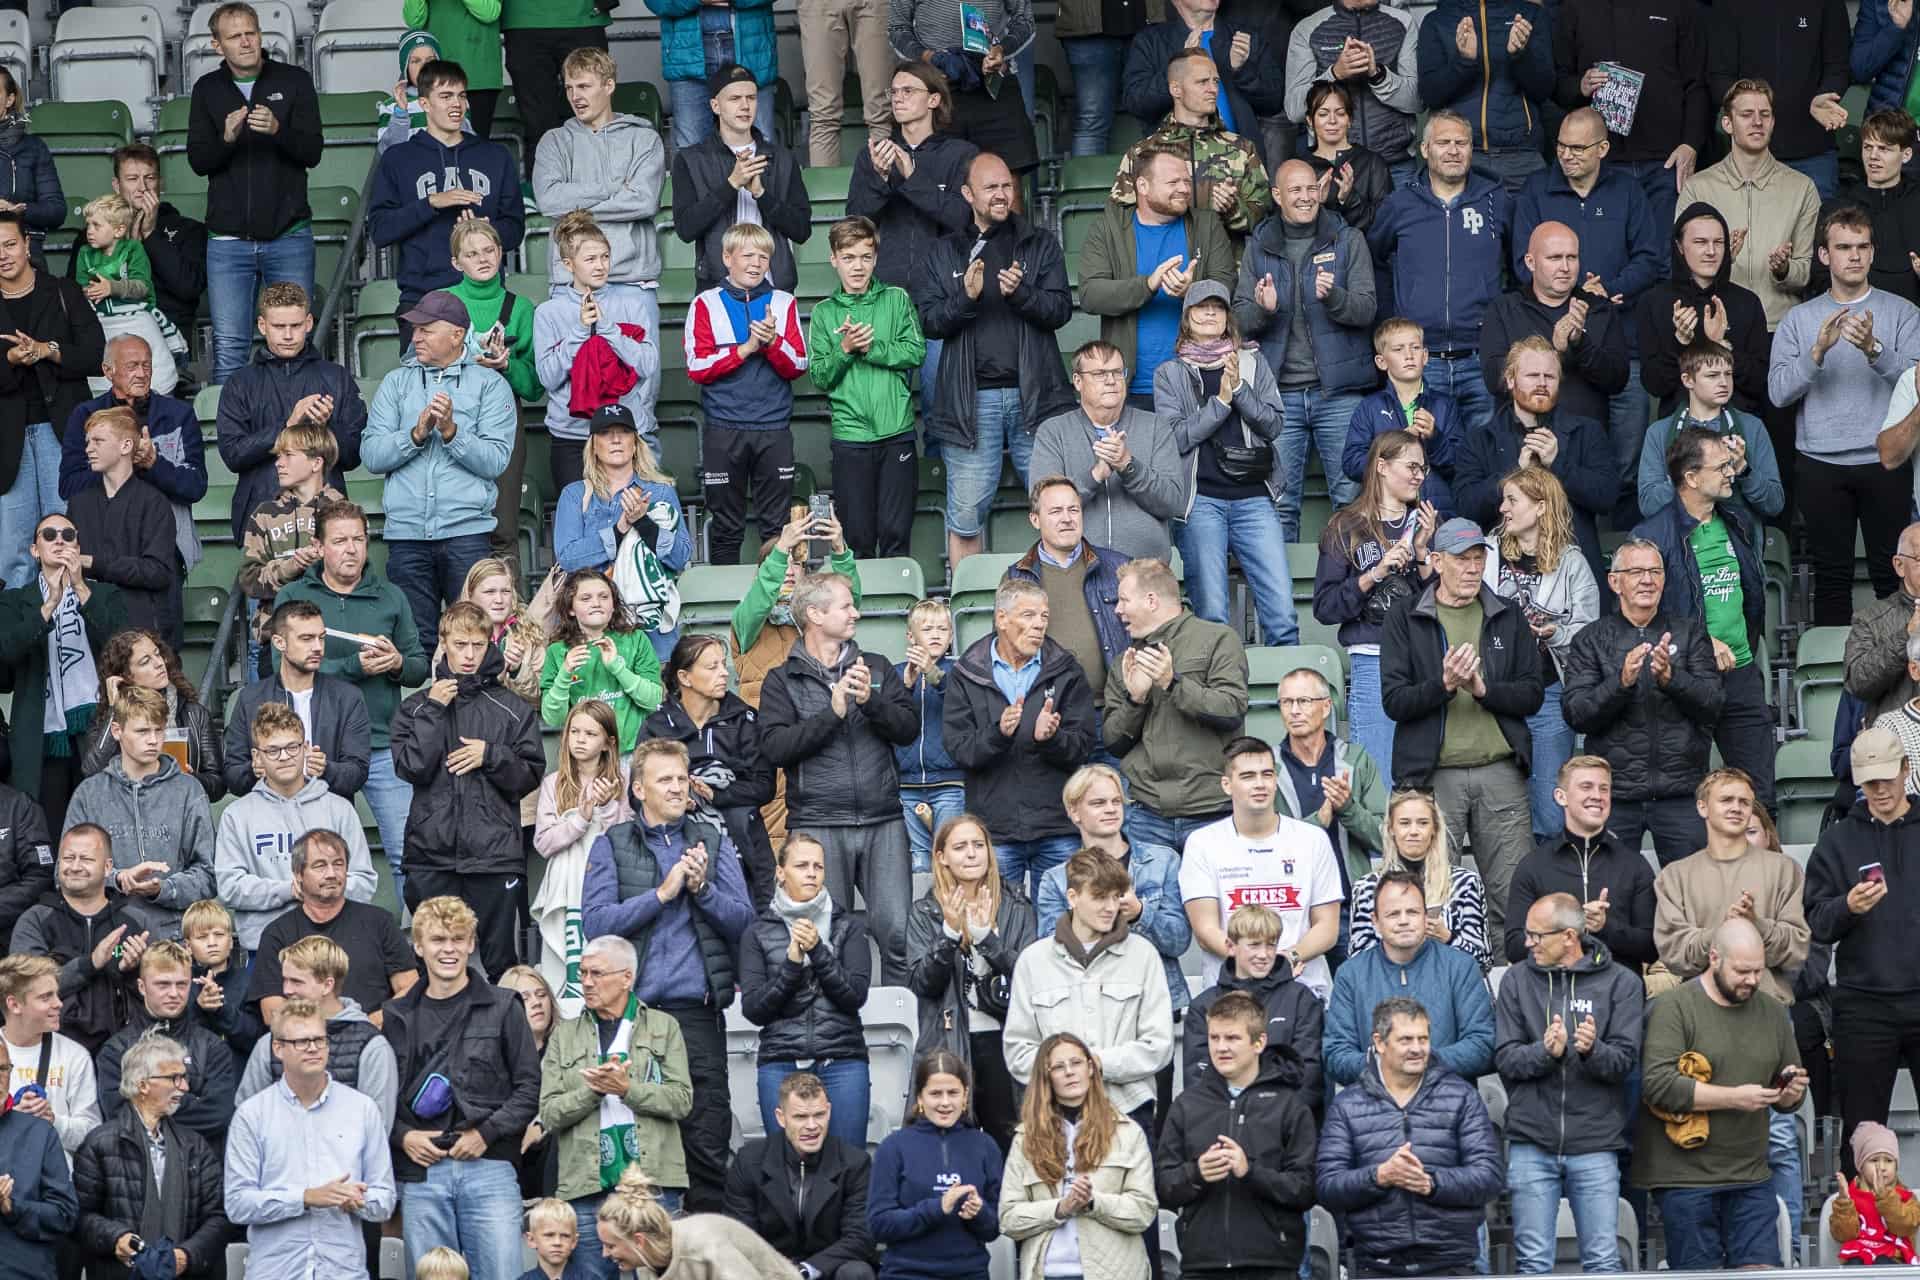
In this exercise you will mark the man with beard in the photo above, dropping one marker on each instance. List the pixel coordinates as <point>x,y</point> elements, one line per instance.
<point>1701,1144</point>
<point>331,710</point>
<point>386,965</point>
<point>93,937</point>
<point>1700,300</point>
<point>166,994</point>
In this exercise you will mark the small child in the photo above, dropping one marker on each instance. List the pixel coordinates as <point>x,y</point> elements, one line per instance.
<point>1294,1014</point>
<point>1875,1219</point>
<point>747,403</point>
<point>1406,403</point>
<point>126,524</point>
<point>597,653</point>
<point>864,342</point>
<point>591,348</point>
<point>441,1263</point>
<point>931,789</point>
<point>1706,376</point>
<point>553,1232</point>
<point>404,115</point>
<point>502,334</point>
<point>279,542</point>
<point>207,929</point>
<point>118,281</point>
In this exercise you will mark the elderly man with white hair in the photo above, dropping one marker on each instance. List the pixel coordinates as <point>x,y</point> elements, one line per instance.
<point>146,1183</point>
<point>614,1085</point>
<point>1326,779</point>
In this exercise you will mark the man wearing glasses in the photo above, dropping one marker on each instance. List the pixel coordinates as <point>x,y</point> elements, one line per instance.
<point>1644,687</point>
<point>1877,639</point>
<point>167,990</point>
<point>1328,781</point>
<point>1714,575</point>
<point>307,1121</point>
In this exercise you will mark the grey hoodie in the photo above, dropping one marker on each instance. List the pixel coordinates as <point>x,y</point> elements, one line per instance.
<point>615,174</point>
<point>379,1075</point>
<point>162,818</point>
<point>253,858</point>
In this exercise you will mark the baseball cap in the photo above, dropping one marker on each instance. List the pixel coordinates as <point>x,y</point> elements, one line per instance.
<point>1206,291</point>
<point>439,305</point>
<point>732,73</point>
<point>1458,535</point>
<point>613,417</point>
<point>1876,756</point>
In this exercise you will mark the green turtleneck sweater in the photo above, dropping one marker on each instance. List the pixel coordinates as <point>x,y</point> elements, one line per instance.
<point>483,299</point>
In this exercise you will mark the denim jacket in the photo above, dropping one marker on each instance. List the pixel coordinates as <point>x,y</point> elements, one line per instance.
<point>1163,915</point>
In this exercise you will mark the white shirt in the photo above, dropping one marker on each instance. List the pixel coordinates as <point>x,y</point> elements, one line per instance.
<point>303,707</point>
<point>1899,406</point>
<point>1289,872</point>
<point>70,1086</point>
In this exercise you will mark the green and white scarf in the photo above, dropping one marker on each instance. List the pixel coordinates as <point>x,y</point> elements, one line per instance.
<point>619,1144</point>
<point>647,590</point>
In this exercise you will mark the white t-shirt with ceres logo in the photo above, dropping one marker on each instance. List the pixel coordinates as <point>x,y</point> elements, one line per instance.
<point>1289,872</point>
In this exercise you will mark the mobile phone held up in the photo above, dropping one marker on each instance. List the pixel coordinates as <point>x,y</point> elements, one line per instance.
<point>819,513</point>
<point>1873,873</point>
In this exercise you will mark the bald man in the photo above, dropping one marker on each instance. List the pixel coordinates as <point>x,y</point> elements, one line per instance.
<point>1588,330</point>
<point>1716,1199</point>
<point>1305,293</point>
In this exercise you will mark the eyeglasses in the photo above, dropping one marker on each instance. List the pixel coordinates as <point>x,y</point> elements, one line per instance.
<point>178,1079</point>
<point>597,974</point>
<point>1102,375</point>
<point>305,1044</point>
<point>1301,704</point>
<point>1534,936</point>
<point>60,533</point>
<point>1578,148</point>
<point>1414,468</point>
<point>1646,574</point>
<point>907,91</point>
<point>287,752</point>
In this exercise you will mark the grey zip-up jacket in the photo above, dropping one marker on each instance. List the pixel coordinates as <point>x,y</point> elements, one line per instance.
<point>161,818</point>
<point>615,174</point>
<point>1127,511</point>
<point>1182,402</point>
<point>253,854</point>
<point>1574,1104</point>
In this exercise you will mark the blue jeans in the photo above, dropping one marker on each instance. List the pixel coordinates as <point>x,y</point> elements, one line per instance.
<point>1591,1184</point>
<point>1325,417</point>
<point>1024,862</point>
<point>848,1089</point>
<point>1460,378</point>
<point>1627,428</point>
<point>431,575</point>
<point>1510,167</point>
<point>973,475</point>
<point>1367,721</point>
<point>588,1253</point>
<point>471,1206</point>
<point>33,496</point>
<point>1663,193</point>
<point>1096,63</point>
<point>1144,826</point>
<point>1250,529</point>
<point>948,801</point>
<point>1823,169</point>
<point>1783,1161</point>
<point>236,272</point>
<point>1716,1228</point>
<point>1401,171</point>
<point>693,117</point>
<point>929,371</point>
<point>1552,747</point>
<point>390,799</point>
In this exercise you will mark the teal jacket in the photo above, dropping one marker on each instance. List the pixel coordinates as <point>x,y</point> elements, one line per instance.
<point>683,52</point>
<point>440,489</point>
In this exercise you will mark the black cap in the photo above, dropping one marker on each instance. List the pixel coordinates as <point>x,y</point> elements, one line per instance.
<point>732,73</point>
<point>613,417</point>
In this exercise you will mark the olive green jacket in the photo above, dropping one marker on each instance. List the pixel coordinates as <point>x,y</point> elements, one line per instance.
<point>571,1112</point>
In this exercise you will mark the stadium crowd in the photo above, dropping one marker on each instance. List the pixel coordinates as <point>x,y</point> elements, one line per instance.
<point>1571,301</point>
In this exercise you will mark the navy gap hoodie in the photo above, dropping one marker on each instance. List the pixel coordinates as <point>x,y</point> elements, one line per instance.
<point>421,167</point>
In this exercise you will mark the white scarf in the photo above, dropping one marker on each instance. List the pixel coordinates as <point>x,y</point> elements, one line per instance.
<point>818,910</point>
<point>73,683</point>
<point>556,912</point>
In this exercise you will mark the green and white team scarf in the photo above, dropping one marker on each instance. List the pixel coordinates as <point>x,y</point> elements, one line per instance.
<point>619,1145</point>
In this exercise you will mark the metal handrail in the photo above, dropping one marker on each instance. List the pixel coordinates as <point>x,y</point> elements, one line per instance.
<point>349,256</point>
<point>214,678</point>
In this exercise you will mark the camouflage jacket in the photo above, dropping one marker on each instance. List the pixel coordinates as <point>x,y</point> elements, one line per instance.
<point>276,529</point>
<point>1217,157</point>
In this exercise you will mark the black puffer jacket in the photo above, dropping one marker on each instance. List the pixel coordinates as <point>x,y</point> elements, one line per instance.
<point>110,1178</point>
<point>495,1070</point>
<point>26,858</point>
<point>809,1010</point>
<point>94,1003</point>
<point>203,746</point>
<point>1252,1223</point>
<point>1258,87</point>
<point>212,1075</point>
<point>937,969</point>
<point>1412,646</point>
<point>839,768</point>
<point>704,203</point>
<point>254,406</point>
<point>913,212</point>
<point>1574,1104</point>
<point>1657,738</point>
<point>1746,324</point>
<point>1015,782</point>
<point>1450,1132</point>
<point>468,823</point>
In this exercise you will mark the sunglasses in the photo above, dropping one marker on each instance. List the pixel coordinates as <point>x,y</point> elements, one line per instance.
<point>60,533</point>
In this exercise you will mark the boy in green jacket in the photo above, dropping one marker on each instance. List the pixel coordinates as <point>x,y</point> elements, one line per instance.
<point>862,343</point>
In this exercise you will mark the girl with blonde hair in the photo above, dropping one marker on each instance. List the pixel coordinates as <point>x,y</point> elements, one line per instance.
<point>638,1234</point>
<point>1417,840</point>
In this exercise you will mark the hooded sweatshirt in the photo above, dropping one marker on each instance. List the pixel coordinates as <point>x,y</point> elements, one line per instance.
<point>1873,953</point>
<point>558,336</point>
<point>443,488</point>
<point>253,855</point>
<point>1447,259</point>
<point>371,607</point>
<point>1746,323</point>
<point>911,1171</point>
<point>867,389</point>
<point>1295,1021</point>
<point>163,817</point>
<point>615,173</point>
<point>1574,1104</point>
<point>400,211</point>
<point>377,1076</point>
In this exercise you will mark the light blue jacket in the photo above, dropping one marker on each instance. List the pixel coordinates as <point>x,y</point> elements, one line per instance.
<point>1163,916</point>
<point>1445,979</point>
<point>440,489</point>
<point>584,536</point>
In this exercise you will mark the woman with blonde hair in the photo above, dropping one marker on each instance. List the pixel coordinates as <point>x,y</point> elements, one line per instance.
<point>963,939</point>
<point>1078,1189</point>
<point>1417,841</point>
<point>639,1235</point>
<point>517,633</point>
<point>1538,565</point>
<point>539,1160</point>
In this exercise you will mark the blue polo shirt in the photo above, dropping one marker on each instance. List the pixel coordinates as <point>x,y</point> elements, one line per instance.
<point>1013,682</point>
<point>1158,326</point>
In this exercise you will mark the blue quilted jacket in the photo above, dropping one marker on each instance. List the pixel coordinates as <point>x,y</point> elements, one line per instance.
<point>683,53</point>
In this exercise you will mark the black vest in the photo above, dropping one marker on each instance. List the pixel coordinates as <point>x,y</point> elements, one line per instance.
<point>346,1038</point>
<point>639,872</point>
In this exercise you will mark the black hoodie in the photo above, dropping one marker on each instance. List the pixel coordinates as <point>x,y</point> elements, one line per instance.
<point>1746,325</point>
<point>1575,1104</point>
<point>1566,863</point>
<point>1295,1019</point>
<point>1664,40</point>
<point>704,205</point>
<point>1873,953</point>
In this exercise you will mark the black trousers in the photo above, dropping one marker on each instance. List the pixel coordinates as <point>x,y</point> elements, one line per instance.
<point>707,1133</point>
<point>1745,732</point>
<point>1874,1036</point>
<point>874,486</point>
<point>1143,1115</point>
<point>481,104</point>
<point>568,459</point>
<point>1810,1034</point>
<point>500,902</point>
<point>534,57</point>
<point>1869,495</point>
<point>1674,820</point>
<point>996,1102</point>
<point>735,464</point>
<point>505,538</point>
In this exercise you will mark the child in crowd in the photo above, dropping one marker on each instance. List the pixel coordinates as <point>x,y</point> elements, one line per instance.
<point>1706,380</point>
<point>221,984</point>
<point>1875,1218</point>
<point>441,1263</point>
<point>126,524</point>
<point>156,817</point>
<point>579,801</point>
<point>1406,403</point>
<point>931,789</point>
<point>596,653</point>
<point>1294,1013</point>
<point>279,542</point>
<point>403,115</point>
<point>591,348</point>
<point>747,402</point>
<point>502,334</point>
<point>863,344</point>
<point>553,1230</point>
<point>117,278</point>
